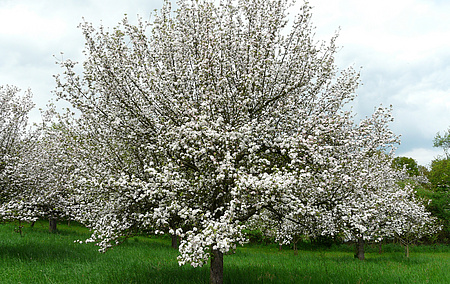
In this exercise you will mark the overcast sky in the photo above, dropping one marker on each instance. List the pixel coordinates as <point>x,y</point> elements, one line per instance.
<point>403,47</point>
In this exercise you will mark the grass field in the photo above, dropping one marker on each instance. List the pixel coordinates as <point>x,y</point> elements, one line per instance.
<point>42,257</point>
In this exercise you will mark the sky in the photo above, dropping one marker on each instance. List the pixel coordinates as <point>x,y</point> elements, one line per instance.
<point>401,46</point>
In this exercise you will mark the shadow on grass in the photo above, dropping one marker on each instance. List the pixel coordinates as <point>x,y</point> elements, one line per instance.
<point>47,252</point>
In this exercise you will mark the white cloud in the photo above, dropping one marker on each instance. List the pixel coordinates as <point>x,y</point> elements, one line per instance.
<point>407,29</point>
<point>31,32</point>
<point>22,21</point>
<point>422,156</point>
<point>403,47</point>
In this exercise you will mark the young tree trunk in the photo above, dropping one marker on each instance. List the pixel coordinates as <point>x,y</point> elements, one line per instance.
<point>216,270</point>
<point>407,250</point>
<point>380,248</point>
<point>51,225</point>
<point>360,249</point>
<point>174,241</point>
<point>32,224</point>
<point>280,247</point>
<point>295,241</point>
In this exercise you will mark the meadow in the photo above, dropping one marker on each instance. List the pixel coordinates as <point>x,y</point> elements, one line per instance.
<point>38,256</point>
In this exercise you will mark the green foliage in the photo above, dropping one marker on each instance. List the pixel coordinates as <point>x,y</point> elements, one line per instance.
<point>409,163</point>
<point>425,192</point>
<point>439,206</point>
<point>439,186</point>
<point>443,141</point>
<point>439,175</point>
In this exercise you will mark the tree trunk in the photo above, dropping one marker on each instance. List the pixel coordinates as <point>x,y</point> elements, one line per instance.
<point>32,224</point>
<point>295,241</point>
<point>51,225</point>
<point>380,249</point>
<point>216,270</point>
<point>407,250</point>
<point>360,249</point>
<point>280,247</point>
<point>174,241</point>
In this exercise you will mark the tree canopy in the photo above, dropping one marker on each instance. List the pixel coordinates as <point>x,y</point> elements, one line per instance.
<point>443,141</point>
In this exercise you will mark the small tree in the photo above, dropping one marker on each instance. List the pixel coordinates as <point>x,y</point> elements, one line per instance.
<point>44,169</point>
<point>388,209</point>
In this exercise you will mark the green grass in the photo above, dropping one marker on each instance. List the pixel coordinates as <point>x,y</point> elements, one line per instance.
<point>42,257</point>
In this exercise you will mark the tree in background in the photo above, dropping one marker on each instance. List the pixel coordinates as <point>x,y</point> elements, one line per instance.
<point>44,170</point>
<point>439,175</point>
<point>384,208</point>
<point>411,166</point>
<point>439,206</point>
<point>14,109</point>
<point>443,142</point>
<point>438,189</point>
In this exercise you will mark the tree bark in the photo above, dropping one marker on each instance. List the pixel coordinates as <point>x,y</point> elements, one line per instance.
<point>360,249</point>
<point>216,270</point>
<point>295,241</point>
<point>51,225</point>
<point>407,250</point>
<point>380,248</point>
<point>174,241</point>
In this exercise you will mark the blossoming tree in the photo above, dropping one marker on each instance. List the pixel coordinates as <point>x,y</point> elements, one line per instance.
<point>354,192</point>
<point>381,207</point>
<point>14,109</point>
<point>44,171</point>
<point>209,115</point>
